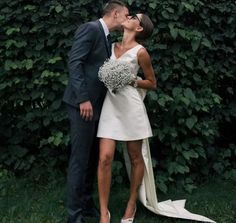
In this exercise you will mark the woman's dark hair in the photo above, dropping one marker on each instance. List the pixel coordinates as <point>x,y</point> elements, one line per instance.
<point>111,5</point>
<point>148,27</point>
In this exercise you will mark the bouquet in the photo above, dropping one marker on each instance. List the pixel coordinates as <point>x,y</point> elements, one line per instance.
<point>115,74</point>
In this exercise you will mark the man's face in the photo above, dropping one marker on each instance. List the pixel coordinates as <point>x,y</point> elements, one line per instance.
<point>122,15</point>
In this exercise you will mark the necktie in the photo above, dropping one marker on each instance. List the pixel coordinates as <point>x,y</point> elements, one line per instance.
<point>109,42</point>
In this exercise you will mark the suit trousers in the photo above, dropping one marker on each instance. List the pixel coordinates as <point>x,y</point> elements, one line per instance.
<point>83,163</point>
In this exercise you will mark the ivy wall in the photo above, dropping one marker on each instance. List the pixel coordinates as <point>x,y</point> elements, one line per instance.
<point>192,112</point>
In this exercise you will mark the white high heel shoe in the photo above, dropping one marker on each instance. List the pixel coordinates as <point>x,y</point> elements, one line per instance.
<point>129,220</point>
<point>109,216</point>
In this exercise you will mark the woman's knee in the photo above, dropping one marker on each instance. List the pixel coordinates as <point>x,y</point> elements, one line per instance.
<point>106,152</point>
<point>105,160</point>
<point>135,152</point>
<point>136,159</point>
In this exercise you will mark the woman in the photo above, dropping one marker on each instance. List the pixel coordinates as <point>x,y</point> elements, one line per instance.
<point>124,115</point>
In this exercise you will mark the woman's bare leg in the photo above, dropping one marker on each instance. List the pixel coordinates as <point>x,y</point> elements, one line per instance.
<point>136,177</point>
<point>106,155</point>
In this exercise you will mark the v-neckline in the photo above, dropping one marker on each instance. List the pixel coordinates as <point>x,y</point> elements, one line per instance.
<point>113,48</point>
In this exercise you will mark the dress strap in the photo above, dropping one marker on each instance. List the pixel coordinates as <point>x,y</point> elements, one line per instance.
<point>137,48</point>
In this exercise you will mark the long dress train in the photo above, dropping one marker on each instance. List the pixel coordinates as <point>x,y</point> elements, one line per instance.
<point>148,196</point>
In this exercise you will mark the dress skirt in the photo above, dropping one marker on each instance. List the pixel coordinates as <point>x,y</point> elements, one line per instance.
<point>124,116</point>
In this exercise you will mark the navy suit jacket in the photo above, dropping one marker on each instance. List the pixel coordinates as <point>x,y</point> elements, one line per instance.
<point>89,51</point>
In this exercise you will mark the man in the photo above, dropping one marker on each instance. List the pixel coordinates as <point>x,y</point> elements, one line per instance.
<point>84,97</point>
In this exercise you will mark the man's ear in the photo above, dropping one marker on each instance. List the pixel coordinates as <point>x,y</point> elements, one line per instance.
<point>115,12</point>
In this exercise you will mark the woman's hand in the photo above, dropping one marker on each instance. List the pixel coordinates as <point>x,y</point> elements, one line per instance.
<point>134,82</point>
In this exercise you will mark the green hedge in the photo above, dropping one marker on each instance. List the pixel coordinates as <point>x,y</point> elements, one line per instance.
<point>193,53</point>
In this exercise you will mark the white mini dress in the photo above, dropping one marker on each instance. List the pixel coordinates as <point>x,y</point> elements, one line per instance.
<point>123,116</point>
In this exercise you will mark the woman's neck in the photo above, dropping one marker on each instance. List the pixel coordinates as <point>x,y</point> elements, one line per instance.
<point>128,40</point>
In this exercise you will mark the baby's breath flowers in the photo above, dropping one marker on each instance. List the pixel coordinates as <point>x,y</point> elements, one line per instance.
<point>115,74</point>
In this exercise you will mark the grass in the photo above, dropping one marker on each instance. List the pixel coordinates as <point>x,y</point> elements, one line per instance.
<point>22,201</point>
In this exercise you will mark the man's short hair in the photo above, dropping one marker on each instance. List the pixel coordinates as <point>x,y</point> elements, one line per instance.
<point>111,5</point>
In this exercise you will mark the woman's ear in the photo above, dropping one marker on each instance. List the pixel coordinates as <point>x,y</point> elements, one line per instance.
<point>139,29</point>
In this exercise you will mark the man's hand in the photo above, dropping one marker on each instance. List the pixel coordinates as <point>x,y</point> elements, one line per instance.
<point>86,110</point>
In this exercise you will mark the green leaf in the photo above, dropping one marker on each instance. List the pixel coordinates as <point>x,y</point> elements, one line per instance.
<point>182,169</point>
<point>59,8</point>
<point>56,104</point>
<point>35,94</point>
<point>152,95</point>
<point>161,102</point>
<point>3,85</point>
<point>165,75</point>
<point>51,139</point>
<point>182,55</point>
<point>176,91</point>
<point>130,2</point>
<point>175,167</point>
<point>217,99</point>
<point>46,121</point>
<point>153,5</point>
<point>189,187</point>
<point>189,64</point>
<point>182,33</point>
<point>189,154</point>
<point>171,10</point>
<point>227,153</point>
<point>10,65</point>
<point>30,7</point>
<point>185,100</point>
<point>165,14</point>
<point>54,60</point>
<point>119,179</point>
<point>174,32</point>
<point>162,186</point>
<point>9,43</point>
<point>160,135</point>
<point>161,46</point>
<point>28,64</point>
<point>218,167</point>
<point>188,6</point>
<point>206,43</point>
<point>195,43</point>
<point>12,30</point>
<point>57,141</point>
<point>188,93</point>
<point>190,122</point>
<point>201,152</point>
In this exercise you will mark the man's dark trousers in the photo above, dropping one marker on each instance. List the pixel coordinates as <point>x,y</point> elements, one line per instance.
<point>83,163</point>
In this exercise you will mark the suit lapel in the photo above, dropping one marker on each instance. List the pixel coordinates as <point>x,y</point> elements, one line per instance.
<point>104,38</point>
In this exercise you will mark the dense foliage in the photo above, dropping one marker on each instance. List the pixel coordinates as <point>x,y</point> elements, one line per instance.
<point>192,112</point>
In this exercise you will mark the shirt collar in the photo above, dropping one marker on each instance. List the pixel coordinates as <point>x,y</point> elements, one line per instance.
<point>104,26</point>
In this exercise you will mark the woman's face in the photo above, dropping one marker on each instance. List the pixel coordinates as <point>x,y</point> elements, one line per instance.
<point>133,21</point>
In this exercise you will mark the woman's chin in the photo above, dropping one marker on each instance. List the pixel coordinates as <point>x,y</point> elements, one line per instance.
<point>122,27</point>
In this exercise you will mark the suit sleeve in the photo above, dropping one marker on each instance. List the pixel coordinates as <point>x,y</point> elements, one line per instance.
<point>83,43</point>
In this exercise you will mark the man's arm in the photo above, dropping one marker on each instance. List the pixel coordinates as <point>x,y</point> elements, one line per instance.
<point>83,43</point>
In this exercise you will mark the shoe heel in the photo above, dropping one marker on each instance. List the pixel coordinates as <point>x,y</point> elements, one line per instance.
<point>129,220</point>
<point>109,216</point>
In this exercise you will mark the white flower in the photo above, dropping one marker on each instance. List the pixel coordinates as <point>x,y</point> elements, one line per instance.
<point>115,74</point>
